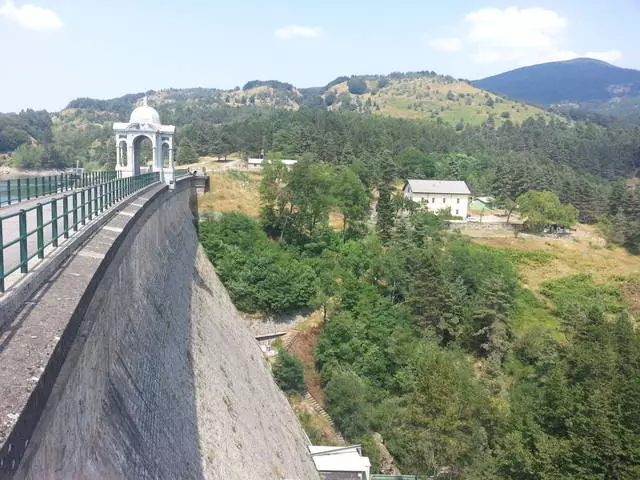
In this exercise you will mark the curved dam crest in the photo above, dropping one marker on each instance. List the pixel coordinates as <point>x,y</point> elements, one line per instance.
<point>163,379</point>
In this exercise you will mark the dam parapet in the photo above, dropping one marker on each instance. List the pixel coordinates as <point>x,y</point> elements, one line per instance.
<point>144,369</point>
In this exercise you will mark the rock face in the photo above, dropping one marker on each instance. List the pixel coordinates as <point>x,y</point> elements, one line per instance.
<point>163,379</point>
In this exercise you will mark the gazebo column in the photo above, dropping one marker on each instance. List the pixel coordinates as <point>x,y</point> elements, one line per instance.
<point>131,157</point>
<point>154,154</point>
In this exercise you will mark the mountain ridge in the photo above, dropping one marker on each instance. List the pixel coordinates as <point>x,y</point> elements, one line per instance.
<point>581,83</point>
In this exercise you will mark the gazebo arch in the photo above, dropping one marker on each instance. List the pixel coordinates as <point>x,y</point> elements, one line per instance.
<point>144,123</point>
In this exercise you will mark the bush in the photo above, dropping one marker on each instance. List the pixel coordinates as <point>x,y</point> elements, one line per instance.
<point>357,86</point>
<point>289,373</point>
<point>259,274</point>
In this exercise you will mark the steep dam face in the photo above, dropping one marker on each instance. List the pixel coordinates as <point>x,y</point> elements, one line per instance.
<point>163,379</point>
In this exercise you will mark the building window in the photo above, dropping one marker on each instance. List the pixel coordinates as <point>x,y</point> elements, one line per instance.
<point>457,211</point>
<point>444,200</point>
<point>458,200</point>
<point>433,200</point>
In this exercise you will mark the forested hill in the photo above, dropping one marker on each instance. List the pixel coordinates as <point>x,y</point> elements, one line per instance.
<point>581,83</point>
<point>415,95</point>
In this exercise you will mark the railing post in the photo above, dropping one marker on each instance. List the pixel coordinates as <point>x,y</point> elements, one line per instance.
<point>39,231</point>
<point>65,212</point>
<point>83,210</point>
<point>101,198</point>
<point>1,259</point>
<point>54,223</point>
<point>74,204</point>
<point>89,203</point>
<point>8,192</point>
<point>28,190</point>
<point>22,219</point>
<point>19,193</point>
<point>95,199</point>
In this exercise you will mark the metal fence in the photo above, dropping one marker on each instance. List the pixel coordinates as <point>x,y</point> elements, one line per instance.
<point>21,189</point>
<point>32,232</point>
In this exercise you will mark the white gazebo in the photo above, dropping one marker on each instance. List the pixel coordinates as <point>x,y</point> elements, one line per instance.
<point>144,123</point>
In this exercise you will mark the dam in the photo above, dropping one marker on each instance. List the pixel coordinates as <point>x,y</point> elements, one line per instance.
<point>130,361</point>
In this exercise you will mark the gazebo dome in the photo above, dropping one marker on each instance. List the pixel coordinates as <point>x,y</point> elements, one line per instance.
<point>145,114</point>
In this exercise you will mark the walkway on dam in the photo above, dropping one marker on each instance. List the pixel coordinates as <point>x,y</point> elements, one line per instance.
<point>28,341</point>
<point>33,228</point>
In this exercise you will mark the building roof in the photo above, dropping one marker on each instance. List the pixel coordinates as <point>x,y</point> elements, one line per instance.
<point>339,459</point>
<point>258,161</point>
<point>439,186</point>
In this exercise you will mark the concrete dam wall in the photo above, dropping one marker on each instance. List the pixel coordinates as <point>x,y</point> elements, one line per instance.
<point>163,379</point>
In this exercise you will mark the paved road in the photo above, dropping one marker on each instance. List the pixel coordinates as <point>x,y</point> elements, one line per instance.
<point>11,227</point>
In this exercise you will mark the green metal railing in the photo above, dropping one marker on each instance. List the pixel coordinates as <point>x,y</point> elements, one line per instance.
<point>179,172</point>
<point>20,189</point>
<point>65,213</point>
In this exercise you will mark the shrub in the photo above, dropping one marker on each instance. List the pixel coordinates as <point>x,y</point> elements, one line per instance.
<point>289,373</point>
<point>357,86</point>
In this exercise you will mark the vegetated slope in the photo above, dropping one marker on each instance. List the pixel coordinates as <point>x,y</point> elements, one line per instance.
<point>582,82</point>
<point>411,95</point>
<point>81,132</point>
<point>432,96</point>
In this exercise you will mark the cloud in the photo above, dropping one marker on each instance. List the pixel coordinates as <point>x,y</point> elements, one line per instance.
<point>30,16</point>
<point>515,29</point>
<point>297,31</point>
<point>608,56</point>
<point>446,44</point>
<point>521,36</point>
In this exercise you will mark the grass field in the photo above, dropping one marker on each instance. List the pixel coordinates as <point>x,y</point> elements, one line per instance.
<point>232,191</point>
<point>586,253</point>
<point>239,191</point>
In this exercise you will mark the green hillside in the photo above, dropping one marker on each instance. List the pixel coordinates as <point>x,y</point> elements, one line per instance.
<point>582,84</point>
<point>435,97</point>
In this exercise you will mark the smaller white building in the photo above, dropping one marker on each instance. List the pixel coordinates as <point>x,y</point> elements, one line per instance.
<point>437,195</point>
<point>257,162</point>
<point>341,463</point>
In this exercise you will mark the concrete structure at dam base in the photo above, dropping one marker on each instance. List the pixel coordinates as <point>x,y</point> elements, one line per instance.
<point>154,375</point>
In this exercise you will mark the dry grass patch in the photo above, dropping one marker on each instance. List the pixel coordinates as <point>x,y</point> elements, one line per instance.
<point>586,253</point>
<point>233,191</point>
